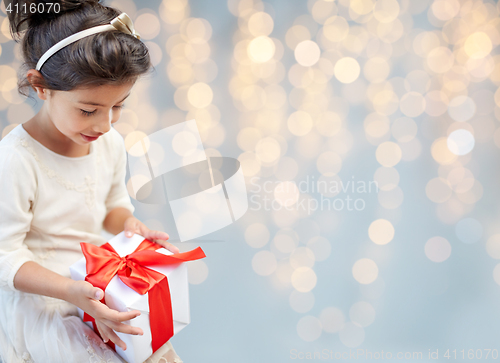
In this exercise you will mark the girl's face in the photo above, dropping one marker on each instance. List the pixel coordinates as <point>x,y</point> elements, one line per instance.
<point>82,115</point>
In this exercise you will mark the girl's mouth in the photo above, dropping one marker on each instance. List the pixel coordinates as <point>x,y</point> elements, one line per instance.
<point>89,138</point>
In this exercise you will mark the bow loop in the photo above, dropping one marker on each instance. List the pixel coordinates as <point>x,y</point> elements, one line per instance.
<point>124,24</point>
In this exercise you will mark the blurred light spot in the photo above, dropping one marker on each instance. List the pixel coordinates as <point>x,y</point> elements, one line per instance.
<point>328,123</point>
<point>436,103</point>
<point>302,256</point>
<point>496,273</point>
<point>362,313</point>
<point>445,9</point>
<point>478,45</point>
<point>329,163</point>
<point>361,7</point>
<point>184,143</point>
<point>286,193</point>
<point>321,247</point>
<point>461,108</point>
<point>388,154</point>
<point>347,70</point>
<point>365,271</point>
<point>469,230</point>
<point>412,104</point>
<point>438,190</point>
<point>461,179</point>
<point>147,25</point>
<point>264,263</point>
<point>437,249</point>
<point>440,59</point>
<point>261,49</point>
<point>284,243</point>
<point>381,232</point>
<point>386,11</point>
<point>301,302</point>
<point>260,23</point>
<point>332,319</point>
<point>493,246</point>
<point>300,123</point>
<point>268,149</point>
<point>197,271</point>
<point>376,69</point>
<point>335,29</point>
<point>257,235</point>
<point>307,53</point>
<point>295,35</point>
<point>284,273</point>
<point>304,279</point>
<point>460,142</point>
<point>134,137</point>
<point>248,137</point>
<point>309,328</point>
<point>404,129</point>
<point>417,81</point>
<point>200,95</point>
<point>352,335</point>
<point>376,125</point>
<point>441,153</point>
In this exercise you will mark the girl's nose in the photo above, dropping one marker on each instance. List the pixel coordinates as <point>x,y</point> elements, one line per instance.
<point>104,124</point>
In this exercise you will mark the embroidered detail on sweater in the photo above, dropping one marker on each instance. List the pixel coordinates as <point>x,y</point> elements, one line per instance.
<point>88,186</point>
<point>94,356</point>
<point>27,358</point>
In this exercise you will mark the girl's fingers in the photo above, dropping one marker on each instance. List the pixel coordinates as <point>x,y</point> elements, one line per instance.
<point>130,227</point>
<point>113,315</point>
<point>111,335</point>
<point>157,235</point>
<point>100,329</point>
<point>123,328</point>
<point>167,245</point>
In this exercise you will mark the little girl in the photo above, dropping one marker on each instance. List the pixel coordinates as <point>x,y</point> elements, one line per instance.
<point>62,179</point>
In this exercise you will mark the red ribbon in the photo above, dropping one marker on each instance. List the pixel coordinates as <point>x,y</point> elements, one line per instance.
<point>103,263</point>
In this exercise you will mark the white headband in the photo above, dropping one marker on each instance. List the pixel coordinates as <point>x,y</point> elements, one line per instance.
<point>122,23</point>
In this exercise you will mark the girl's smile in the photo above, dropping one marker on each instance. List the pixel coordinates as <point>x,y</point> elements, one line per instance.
<point>89,138</point>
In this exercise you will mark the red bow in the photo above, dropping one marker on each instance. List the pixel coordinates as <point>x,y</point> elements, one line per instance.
<point>104,262</point>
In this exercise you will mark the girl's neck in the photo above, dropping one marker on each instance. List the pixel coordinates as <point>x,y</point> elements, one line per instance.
<point>41,128</point>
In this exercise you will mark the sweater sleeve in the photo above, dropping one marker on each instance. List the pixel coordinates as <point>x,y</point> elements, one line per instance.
<point>18,190</point>
<point>118,195</point>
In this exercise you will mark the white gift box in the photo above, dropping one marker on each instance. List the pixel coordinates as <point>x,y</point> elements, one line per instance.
<point>119,296</point>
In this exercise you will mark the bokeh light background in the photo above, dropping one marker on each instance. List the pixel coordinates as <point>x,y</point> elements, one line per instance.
<point>403,95</point>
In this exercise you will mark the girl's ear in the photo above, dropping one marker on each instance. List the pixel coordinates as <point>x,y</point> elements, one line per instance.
<point>35,78</point>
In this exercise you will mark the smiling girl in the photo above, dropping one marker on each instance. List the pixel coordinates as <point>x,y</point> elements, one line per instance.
<point>62,180</point>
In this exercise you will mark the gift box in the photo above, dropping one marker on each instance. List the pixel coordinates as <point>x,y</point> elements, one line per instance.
<point>137,274</point>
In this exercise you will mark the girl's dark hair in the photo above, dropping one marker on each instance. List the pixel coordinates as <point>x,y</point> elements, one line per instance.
<point>105,58</point>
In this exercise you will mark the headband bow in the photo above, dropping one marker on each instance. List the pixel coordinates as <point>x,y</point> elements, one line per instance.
<point>124,24</point>
<point>121,23</point>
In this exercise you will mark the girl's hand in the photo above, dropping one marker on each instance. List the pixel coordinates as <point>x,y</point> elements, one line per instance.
<point>86,297</point>
<point>133,225</point>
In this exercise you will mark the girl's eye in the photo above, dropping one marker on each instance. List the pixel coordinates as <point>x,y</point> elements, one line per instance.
<point>88,113</point>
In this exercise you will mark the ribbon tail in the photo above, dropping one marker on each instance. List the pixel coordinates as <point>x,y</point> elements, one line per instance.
<point>160,314</point>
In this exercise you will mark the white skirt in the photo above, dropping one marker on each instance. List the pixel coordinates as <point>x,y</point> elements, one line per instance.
<point>40,329</point>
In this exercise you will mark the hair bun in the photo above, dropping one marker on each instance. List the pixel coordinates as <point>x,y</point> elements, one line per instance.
<point>25,14</point>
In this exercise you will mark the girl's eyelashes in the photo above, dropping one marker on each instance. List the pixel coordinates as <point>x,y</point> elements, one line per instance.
<point>88,113</point>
